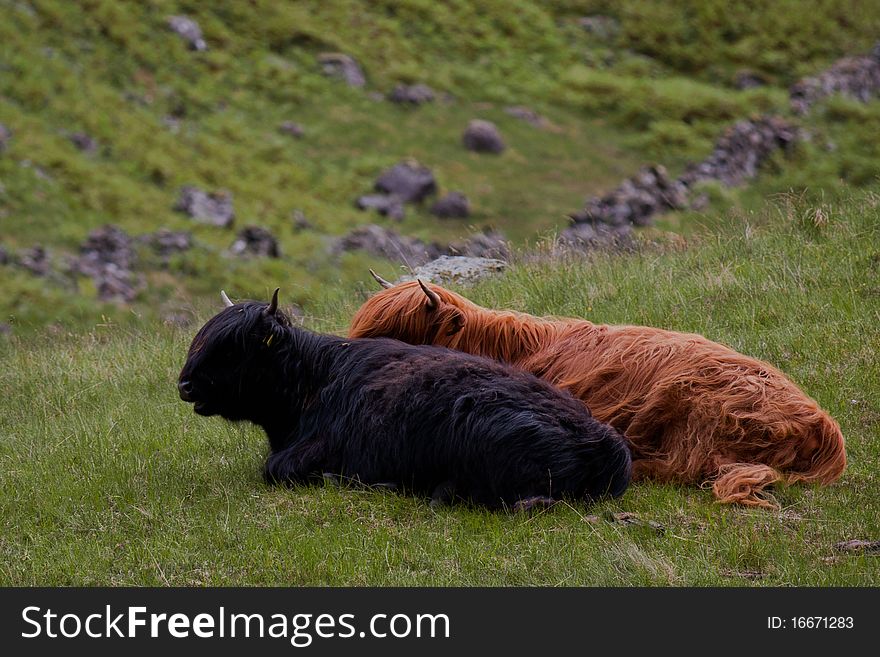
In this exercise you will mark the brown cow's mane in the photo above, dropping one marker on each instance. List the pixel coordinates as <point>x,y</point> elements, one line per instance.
<point>692,409</point>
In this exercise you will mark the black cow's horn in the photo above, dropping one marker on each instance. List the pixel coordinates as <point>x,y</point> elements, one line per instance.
<point>381,281</point>
<point>272,308</point>
<point>433,297</point>
<point>226,300</point>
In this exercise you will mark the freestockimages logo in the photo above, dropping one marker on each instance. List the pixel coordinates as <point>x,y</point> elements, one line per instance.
<point>300,629</point>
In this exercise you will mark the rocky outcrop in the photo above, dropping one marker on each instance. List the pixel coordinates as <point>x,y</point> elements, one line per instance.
<point>107,257</point>
<point>488,244</point>
<point>453,205</point>
<point>386,243</point>
<point>483,137</point>
<point>213,208</point>
<point>854,77</point>
<point>412,94</point>
<point>188,30</point>
<point>406,182</point>
<point>636,200</point>
<point>456,269</point>
<point>344,67</point>
<point>737,157</point>
<point>741,150</point>
<point>255,241</point>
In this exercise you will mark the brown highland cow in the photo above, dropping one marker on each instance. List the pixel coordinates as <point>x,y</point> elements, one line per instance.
<point>693,410</point>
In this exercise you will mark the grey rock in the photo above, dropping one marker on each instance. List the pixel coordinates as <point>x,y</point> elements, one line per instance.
<point>528,115</point>
<point>339,65</point>
<point>107,257</point>
<point>167,242</point>
<point>854,77</point>
<point>255,241</point>
<point>35,260</point>
<point>208,208</point>
<point>745,79</point>
<point>587,237</point>
<point>453,205</point>
<point>187,29</point>
<point>386,243</point>
<point>483,137</point>
<point>412,94</point>
<point>488,244</point>
<point>83,142</point>
<point>456,269</point>
<point>740,151</point>
<point>409,181</point>
<point>292,129</point>
<point>388,205</point>
<point>5,258</point>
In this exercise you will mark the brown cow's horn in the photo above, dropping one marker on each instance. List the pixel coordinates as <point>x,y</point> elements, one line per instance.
<point>381,281</point>
<point>433,297</point>
<point>226,300</point>
<point>272,308</point>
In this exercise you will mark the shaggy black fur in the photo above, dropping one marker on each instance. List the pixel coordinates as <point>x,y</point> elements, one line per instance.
<point>429,419</point>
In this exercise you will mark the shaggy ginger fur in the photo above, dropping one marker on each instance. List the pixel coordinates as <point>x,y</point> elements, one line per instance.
<point>693,410</point>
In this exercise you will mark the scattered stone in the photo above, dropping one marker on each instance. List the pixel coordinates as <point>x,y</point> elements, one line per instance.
<point>35,260</point>
<point>854,77</point>
<point>856,545</point>
<point>387,243</point>
<point>737,156</point>
<point>255,241</point>
<point>412,94</point>
<point>5,329</point>
<point>107,256</point>
<point>339,65</point>
<point>300,221</point>
<point>292,129</point>
<point>456,269</point>
<point>410,181</point>
<point>636,200</point>
<point>483,137</point>
<point>488,244</point>
<point>388,205</point>
<point>189,31</point>
<point>741,150</point>
<point>745,79</point>
<point>83,142</point>
<point>528,115</point>
<point>5,137</point>
<point>168,242</point>
<point>214,208</point>
<point>454,205</point>
<point>588,236</point>
<point>603,27</point>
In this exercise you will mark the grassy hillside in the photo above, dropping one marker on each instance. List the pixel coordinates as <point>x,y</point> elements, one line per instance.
<point>657,85</point>
<point>110,479</point>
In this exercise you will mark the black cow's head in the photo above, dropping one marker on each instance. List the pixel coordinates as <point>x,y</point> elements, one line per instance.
<point>229,361</point>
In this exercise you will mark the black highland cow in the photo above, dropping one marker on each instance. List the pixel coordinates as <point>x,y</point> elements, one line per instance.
<point>429,420</point>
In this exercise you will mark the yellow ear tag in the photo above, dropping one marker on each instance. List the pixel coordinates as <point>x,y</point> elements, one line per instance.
<point>269,340</point>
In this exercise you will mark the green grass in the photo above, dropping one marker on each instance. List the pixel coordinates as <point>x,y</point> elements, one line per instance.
<point>659,90</point>
<point>109,479</point>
